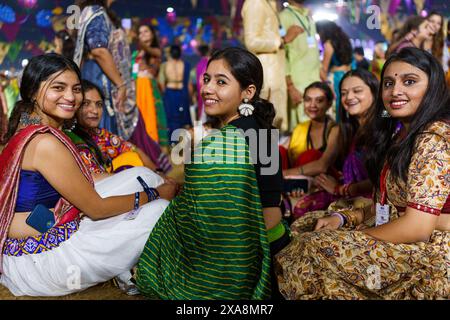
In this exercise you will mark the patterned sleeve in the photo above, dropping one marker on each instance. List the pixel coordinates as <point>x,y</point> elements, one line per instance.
<point>115,145</point>
<point>97,33</point>
<point>429,174</point>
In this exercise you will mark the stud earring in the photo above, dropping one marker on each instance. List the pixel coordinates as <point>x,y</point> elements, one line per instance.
<point>246,109</point>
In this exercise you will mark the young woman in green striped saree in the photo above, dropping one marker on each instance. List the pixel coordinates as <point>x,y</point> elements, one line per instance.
<point>212,241</point>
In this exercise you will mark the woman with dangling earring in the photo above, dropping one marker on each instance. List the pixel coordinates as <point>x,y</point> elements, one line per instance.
<point>398,247</point>
<point>229,211</point>
<point>358,97</point>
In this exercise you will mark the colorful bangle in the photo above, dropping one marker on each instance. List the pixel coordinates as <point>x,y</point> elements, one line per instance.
<point>350,217</point>
<point>341,217</point>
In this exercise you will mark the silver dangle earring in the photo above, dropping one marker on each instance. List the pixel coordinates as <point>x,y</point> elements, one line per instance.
<point>385,114</point>
<point>246,109</point>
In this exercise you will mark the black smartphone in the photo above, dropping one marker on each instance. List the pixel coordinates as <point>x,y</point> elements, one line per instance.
<point>294,184</point>
<point>41,218</point>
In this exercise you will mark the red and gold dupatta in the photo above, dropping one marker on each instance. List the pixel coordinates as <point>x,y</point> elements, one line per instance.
<point>10,165</point>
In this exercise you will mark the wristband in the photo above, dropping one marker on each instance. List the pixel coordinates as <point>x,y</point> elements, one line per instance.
<point>137,196</point>
<point>152,193</point>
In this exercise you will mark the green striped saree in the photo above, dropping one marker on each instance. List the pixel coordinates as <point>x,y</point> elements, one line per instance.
<point>211,242</point>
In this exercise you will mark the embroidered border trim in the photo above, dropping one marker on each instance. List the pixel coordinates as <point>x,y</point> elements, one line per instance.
<point>423,208</point>
<point>42,243</point>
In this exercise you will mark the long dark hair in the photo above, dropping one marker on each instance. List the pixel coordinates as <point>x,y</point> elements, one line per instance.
<point>247,70</point>
<point>437,48</point>
<point>68,45</point>
<point>434,106</point>
<point>111,14</point>
<point>155,39</point>
<point>349,125</point>
<point>39,69</point>
<point>83,132</point>
<point>412,23</point>
<point>175,51</point>
<point>330,31</point>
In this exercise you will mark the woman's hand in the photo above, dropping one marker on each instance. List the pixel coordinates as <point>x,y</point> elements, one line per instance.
<point>328,223</point>
<point>121,98</point>
<point>326,182</point>
<point>295,95</point>
<point>296,193</point>
<point>168,190</point>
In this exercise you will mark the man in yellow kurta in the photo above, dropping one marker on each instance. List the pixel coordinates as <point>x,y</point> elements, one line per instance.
<point>262,36</point>
<point>302,58</point>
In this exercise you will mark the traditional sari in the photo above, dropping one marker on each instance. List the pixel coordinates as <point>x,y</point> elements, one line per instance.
<point>130,124</point>
<point>347,264</point>
<point>3,115</point>
<point>300,150</point>
<point>211,242</point>
<point>148,99</point>
<point>353,171</point>
<point>121,153</point>
<point>98,250</point>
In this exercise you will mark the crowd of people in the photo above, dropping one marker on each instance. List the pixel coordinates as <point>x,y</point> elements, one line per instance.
<point>85,166</point>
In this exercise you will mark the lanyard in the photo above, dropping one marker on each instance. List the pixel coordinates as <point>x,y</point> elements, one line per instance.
<point>383,184</point>
<point>276,13</point>
<point>307,29</point>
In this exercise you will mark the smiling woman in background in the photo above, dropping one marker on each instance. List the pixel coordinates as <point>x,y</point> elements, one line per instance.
<point>404,255</point>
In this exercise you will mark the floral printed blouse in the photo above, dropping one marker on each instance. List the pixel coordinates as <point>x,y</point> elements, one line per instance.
<point>110,145</point>
<point>428,185</point>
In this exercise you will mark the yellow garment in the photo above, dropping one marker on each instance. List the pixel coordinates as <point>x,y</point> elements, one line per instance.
<point>127,159</point>
<point>299,141</point>
<point>146,104</point>
<point>262,37</point>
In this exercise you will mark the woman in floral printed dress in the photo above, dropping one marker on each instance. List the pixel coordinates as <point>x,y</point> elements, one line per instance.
<point>405,254</point>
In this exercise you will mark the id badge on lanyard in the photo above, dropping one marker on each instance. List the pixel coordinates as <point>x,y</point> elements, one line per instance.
<point>382,209</point>
<point>282,31</point>
<point>311,42</point>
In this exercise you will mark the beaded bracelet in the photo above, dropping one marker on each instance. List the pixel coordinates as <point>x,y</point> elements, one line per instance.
<point>152,193</point>
<point>137,196</point>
